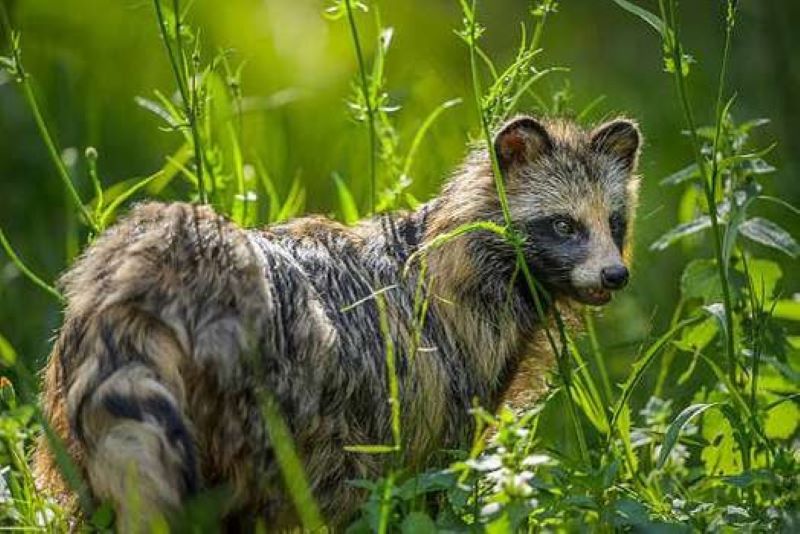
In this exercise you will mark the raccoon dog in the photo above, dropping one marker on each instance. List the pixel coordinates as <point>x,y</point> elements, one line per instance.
<point>179,324</point>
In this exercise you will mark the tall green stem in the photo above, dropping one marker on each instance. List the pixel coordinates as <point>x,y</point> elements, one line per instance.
<point>600,363</point>
<point>52,149</point>
<point>670,18</point>
<point>188,99</point>
<point>365,92</point>
<point>513,239</point>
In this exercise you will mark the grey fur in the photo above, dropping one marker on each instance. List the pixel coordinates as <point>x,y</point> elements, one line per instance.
<point>178,319</point>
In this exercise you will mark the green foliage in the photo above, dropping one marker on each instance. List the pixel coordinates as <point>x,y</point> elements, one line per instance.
<point>710,446</point>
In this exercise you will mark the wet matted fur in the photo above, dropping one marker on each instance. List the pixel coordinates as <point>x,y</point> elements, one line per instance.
<point>177,319</point>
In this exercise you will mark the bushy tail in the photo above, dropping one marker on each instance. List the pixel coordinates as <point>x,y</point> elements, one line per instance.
<point>125,408</point>
<point>164,296</point>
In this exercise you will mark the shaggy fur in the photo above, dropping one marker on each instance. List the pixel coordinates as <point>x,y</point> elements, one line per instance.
<point>178,321</point>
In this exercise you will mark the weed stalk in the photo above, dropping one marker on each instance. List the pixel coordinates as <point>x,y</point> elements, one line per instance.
<point>368,102</point>
<point>669,15</point>
<point>189,96</point>
<point>470,13</point>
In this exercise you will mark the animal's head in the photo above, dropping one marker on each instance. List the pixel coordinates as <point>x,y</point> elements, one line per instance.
<point>571,194</point>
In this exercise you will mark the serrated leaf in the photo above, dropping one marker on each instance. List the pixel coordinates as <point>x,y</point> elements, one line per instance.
<point>676,426</point>
<point>782,420</point>
<point>771,235</point>
<point>719,456</point>
<point>681,231</point>
<point>700,279</point>
<point>764,276</point>
<point>698,336</point>
<point>629,513</point>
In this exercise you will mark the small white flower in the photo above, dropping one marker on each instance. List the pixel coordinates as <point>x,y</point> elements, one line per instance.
<point>517,485</point>
<point>490,509</point>
<point>536,459</point>
<point>490,462</point>
<point>44,517</point>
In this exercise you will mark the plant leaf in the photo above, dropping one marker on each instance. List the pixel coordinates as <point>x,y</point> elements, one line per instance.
<point>698,336</point>
<point>346,202</point>
<point>418,522</point>
<point>675,428</point>
<point>683,175</point>
<point>787,309</point>
<point>770,234</point>
<point>764,276</point>
<point>125,195</point>
<point>681,231</point>
<point>700,279</point>
<point>651,19</point>
<point>8,356</point>
<point>717,311</point>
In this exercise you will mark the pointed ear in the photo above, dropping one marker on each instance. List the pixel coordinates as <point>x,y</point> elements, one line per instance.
<point>521,140</point>
<point>619,138</point>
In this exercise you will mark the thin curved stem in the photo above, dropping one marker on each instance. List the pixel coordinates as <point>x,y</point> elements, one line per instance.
<point>362,74</point>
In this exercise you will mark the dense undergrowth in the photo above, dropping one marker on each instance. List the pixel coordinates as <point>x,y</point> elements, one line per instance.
<point>725,460</point>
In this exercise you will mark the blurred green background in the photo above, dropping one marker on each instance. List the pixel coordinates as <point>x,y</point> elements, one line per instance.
<point>90,58</point>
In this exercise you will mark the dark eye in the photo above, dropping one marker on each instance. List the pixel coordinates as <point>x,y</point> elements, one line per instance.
<point>616,222</point>
<point>563,227</point>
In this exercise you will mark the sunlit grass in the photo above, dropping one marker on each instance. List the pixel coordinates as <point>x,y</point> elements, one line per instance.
<point>727,459</point>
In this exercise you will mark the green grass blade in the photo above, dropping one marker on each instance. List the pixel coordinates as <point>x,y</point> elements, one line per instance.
<point>125,195</point>
<point>423,129</point>
<point>347,204</point>
<point>676,426</point>
<point>291,466</point>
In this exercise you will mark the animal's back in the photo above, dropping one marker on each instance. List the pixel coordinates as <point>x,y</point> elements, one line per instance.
<point>179,324</point>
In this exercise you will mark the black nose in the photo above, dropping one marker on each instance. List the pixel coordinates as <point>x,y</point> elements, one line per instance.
<point>614,277</point>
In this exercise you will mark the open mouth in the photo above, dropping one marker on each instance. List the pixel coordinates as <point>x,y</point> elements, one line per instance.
<point>593,296</point>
